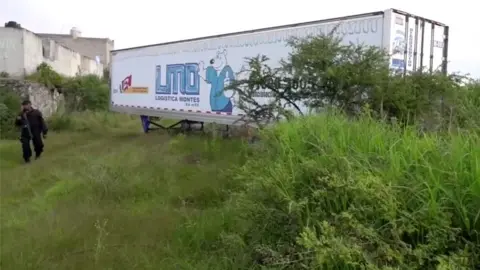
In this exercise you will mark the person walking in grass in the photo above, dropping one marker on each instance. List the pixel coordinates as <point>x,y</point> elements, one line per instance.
<point>32,126</point>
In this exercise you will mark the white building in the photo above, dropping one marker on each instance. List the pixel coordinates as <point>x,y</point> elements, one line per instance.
<point>88,46</point>
<point>21,51</point>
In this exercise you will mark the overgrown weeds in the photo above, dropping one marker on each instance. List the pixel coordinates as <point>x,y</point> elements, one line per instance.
<point>324,192</point>
<point>331,193</point>
<point>92,122</point>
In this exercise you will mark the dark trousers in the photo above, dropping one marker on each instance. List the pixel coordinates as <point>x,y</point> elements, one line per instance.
<point>37,146</point>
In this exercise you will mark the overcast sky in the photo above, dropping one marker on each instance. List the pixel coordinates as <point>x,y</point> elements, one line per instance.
<point>142,22</point>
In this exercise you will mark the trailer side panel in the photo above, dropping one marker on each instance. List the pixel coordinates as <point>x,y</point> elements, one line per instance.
<point>185,80</point>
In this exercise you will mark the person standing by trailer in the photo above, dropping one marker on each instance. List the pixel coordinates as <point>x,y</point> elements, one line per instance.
<point>32,126</point>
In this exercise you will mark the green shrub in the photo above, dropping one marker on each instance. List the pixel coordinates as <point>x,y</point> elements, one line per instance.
<point>6,121</point>
<point>9,107</point>
<point>327,192</point>
<point>465,109</point>
<point>47,76</point>
<point>415,97</point>
<point>88,92</point>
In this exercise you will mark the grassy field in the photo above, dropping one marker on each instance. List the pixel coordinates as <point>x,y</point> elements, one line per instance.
<point>115,199</point>
<point>323,192</point>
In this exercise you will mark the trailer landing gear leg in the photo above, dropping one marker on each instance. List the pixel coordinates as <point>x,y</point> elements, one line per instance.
<point>226,132</point>
<point>145,123</point>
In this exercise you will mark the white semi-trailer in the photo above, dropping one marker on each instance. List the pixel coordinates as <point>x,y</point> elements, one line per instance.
<point>184,80</point>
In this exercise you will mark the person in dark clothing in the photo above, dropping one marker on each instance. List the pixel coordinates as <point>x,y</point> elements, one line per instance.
<point>32,126</point>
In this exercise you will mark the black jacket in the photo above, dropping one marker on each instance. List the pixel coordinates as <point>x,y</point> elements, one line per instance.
<point>31,123</point>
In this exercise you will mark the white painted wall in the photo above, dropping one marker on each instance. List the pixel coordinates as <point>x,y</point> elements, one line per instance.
<point>63,60</point>
<point>90,47</point>
<point>11,51</point>
<point>90,66</point>
<point>21,51</point>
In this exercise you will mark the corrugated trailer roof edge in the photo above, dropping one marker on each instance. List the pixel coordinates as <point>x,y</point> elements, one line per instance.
<point>418,17</point>
<point>280,27</point>
<point>256,30</point>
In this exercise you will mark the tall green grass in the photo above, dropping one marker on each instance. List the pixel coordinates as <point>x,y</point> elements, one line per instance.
<point>92,121</point>
<point>323,192</point>
<point>333,193</point>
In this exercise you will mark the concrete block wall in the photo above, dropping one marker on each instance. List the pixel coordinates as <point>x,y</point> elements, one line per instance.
<point>46,100</point>
<point>11,51</point>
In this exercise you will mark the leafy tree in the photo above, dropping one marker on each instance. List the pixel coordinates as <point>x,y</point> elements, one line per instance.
<point>322,72</point>
<point>319,72</point>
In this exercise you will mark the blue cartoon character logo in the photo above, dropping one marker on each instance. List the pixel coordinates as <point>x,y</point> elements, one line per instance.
<point>398,48</point>
<point>219,75</point>
<point>398,45</point>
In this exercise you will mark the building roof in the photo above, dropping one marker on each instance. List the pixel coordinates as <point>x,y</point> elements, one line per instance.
<point>67,35</point>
